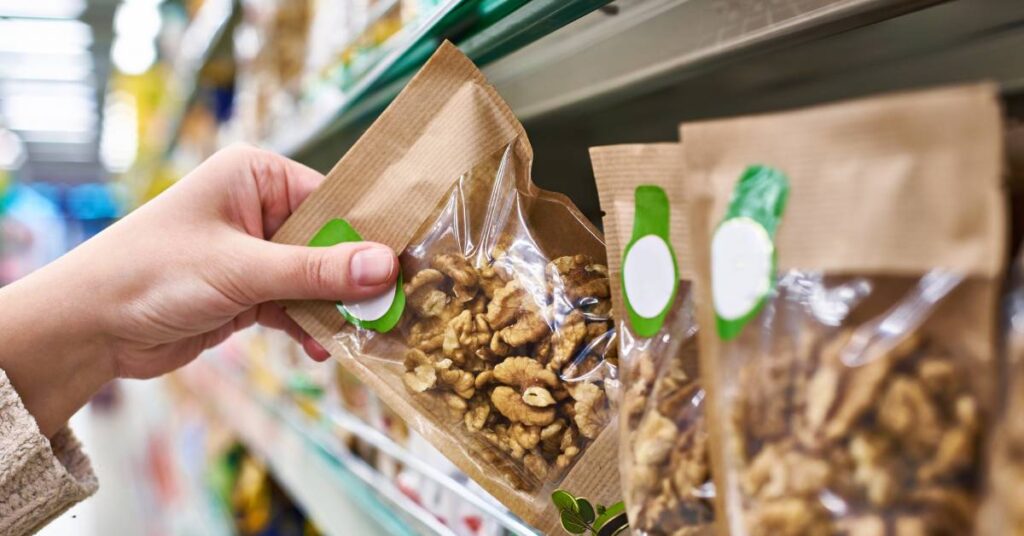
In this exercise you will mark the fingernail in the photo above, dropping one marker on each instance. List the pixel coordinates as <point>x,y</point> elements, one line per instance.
<point>372,266</point>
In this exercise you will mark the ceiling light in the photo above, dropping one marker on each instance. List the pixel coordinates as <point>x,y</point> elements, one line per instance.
<point>48,113</point>
<point>57,9</point>
<point>132,56</point>
<point>76,67</point>
<point>48,88</point>
<point>40,36</point>
<point>29,105</point>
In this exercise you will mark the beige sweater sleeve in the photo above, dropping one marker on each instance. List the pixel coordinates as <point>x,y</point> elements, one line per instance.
<point>39,478</point>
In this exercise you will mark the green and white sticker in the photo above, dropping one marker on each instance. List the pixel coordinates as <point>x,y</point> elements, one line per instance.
<point>650,275</point>
<point>743,249</point>
<point>380,313</point>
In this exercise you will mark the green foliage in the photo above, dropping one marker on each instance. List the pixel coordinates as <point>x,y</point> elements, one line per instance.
<point>579,516</point>
<point>586,510</point>
<point>572,523</point>
<point>564,501</point>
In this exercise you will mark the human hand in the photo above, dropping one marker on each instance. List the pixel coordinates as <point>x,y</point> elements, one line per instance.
<point>173,278</point>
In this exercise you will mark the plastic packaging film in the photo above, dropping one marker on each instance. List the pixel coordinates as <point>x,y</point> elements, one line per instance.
<point>505,348</point>
<point>853,396</point>
<point>664,463</point>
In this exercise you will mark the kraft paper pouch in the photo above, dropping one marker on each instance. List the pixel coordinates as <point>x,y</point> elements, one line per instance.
<point>496,347</point>
<point>1003,511</point>
<point>664,464</point>
<point>849,259</point>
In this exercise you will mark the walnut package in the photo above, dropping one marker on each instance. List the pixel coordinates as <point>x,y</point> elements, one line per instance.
<point>504,349</point>
<point>664,452</point>
<point>1003,509</point>
<point>856,400</point>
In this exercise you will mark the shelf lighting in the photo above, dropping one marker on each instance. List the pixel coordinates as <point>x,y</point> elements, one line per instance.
<point>137,19</point>
<point>119,141</point>
<point>49,113</point>
<point>136,26</point>
<point>133,56</point>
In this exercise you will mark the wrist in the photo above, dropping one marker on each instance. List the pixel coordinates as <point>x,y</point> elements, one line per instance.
<point>54,352</point>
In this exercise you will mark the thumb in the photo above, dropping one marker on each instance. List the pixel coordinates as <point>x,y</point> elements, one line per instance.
<point>345,272</point>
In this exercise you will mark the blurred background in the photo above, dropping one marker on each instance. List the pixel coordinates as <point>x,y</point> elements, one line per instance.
<point>106,103</point>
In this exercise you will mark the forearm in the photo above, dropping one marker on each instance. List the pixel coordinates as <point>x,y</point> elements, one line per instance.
<point>53,355</point>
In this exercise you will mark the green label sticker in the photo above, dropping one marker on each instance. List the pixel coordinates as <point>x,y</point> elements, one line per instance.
<point>380,313</point>
<point>650,274</point>
<point>743,248</point>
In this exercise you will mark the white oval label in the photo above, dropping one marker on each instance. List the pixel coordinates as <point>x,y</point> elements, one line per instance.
<point>741,266</point>
<point>649,276</point>
<point>371,308</point>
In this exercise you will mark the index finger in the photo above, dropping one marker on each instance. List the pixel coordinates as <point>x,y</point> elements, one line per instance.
<point>282,185</point>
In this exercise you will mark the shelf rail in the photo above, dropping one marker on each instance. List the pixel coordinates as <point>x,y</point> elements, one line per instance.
<point>262,423</point>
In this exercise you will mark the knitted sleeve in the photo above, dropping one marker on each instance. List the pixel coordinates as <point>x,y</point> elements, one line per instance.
<point>40,478</point>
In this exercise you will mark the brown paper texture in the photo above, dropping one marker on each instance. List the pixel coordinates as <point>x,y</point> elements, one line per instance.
<point>885,156</point>
<point>1003,511</point>
<point>618,170</point>
<point>417,161</point>
<point>886,188</point>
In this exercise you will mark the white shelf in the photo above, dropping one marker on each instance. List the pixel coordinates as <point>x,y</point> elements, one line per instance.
<point>330,483</point>
<point>720,57</point>
<point>384,444</point>
<point>648,40</point>
<point>324,480</point>
<point>201,36</point>
<point>317,117</point>
<point>685,59</point>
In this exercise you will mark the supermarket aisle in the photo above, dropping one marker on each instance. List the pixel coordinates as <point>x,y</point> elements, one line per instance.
<point>109,436</point>
<point>511,396</point>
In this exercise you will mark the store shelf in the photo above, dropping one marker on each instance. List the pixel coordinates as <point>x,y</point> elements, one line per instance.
<point>338,490</point>
<point>602,53</point>
<point>647,43</point>
<point>631,72</point>
<point>709,51</point>
<point>483,30</point>
<point>385,445</point>
<point>207,32</point>
<point>320,115</point>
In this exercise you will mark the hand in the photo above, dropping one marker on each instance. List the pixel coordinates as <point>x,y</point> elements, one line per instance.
<point>173,278</point>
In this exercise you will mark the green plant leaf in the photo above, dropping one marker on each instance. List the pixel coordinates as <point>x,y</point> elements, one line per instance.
<point>565,501</point>
<point>608,514</point>
<point>600,509</point>
<point>586,510</point>
<point>572,524</point>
